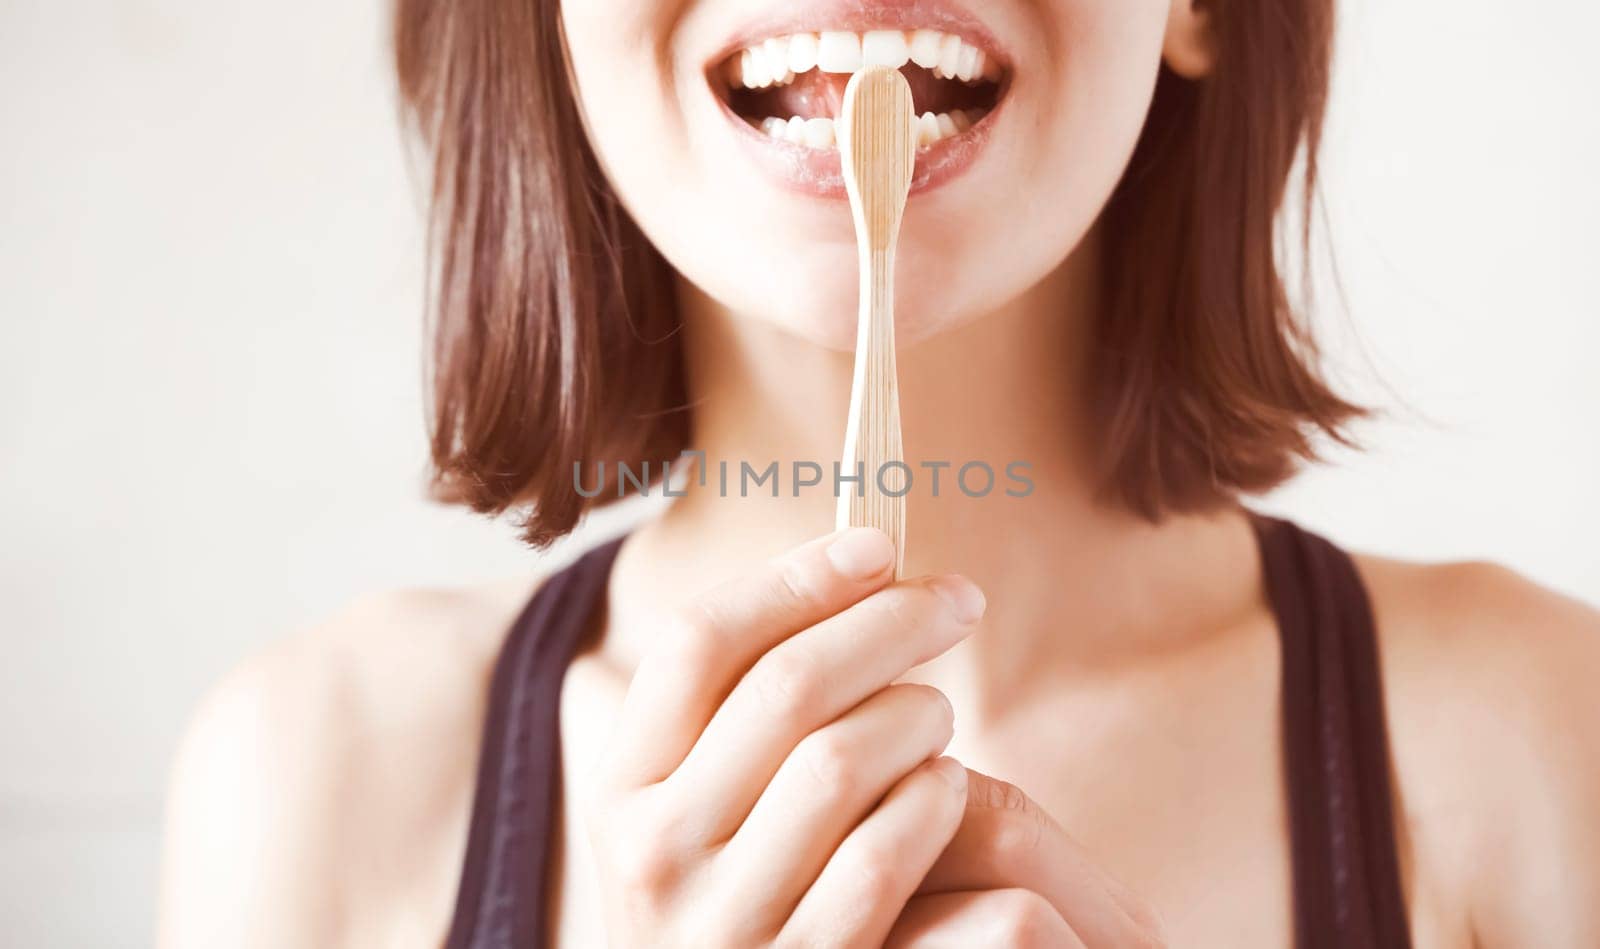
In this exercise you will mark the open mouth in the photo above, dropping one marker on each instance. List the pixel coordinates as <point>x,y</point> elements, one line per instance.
<point>790,86</point>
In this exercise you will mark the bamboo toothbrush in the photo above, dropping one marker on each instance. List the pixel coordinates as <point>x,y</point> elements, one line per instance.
<point>876,131</point>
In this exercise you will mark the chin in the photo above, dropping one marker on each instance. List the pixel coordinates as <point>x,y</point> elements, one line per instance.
<point>821,307</point>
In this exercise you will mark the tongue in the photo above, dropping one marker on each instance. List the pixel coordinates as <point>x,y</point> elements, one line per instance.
<point>814,94</point>
<point>817,94</point>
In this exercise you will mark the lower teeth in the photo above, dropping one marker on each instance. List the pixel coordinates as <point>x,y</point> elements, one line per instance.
<point>814,133</point>
<point>818,132</point>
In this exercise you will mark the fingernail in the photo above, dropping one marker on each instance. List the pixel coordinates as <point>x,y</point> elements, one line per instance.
<point>964,597</point>
<point>953,771</point>
<point>861,553</point>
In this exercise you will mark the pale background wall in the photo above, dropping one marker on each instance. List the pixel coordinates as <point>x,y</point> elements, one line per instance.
<point>210,421</point>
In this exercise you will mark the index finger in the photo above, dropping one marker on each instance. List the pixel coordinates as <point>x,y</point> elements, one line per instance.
<point>705,646</point>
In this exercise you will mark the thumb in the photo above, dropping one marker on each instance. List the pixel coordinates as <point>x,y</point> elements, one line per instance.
<point>1007,840</point>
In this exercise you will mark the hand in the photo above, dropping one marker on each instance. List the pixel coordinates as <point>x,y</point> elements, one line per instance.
<point>766,783</point>
<point>1012,877</point>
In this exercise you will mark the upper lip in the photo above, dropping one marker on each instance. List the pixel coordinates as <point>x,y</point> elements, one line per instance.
<point>856,16</point>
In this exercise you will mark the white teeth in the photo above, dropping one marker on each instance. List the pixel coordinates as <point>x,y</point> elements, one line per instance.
<point>776,60</point>
<point>798,130</point>
<point>776,53</point>
<point>757,75</point>
<point>812,133</point>
<point>884,48</point>
<point>933,128</point>
<point>970,65</point>
<point>819,133</point>
<point>925,48</point>
<point>839,52</point>
<point>747,73</point>
<point>802,52</point>
<point>949,57</point>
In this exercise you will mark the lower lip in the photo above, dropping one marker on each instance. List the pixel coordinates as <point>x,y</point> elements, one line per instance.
<point>818,171</point>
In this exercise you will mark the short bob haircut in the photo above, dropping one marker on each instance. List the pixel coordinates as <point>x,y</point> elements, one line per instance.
<point>552,318</point>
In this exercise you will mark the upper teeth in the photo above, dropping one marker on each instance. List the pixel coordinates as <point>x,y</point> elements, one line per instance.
<point>776,61</point>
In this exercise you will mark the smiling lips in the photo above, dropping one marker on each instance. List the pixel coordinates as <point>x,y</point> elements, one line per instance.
<point>790,86</point>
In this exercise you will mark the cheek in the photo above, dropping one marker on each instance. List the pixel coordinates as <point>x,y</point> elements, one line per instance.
<point>621,80</point>
<point>1072,126</point>
<point>1102,85</point>
<point>652,124</point>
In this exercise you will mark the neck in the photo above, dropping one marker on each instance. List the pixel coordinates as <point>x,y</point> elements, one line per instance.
<point>1004,391</point>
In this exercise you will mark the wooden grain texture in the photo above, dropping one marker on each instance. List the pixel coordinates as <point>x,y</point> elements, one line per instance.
<point>876,130</point>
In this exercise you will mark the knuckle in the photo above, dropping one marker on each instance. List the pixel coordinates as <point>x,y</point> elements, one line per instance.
<point>643,847</point>
<point>787,684</point>
<point>794,583</point>
<point>689,637</point>
<point>830,761</point>
<point>643,865</point>
<point>644,869</point>
<point>1019,833</point>
<point>1026,919</point>
<point>879,876</point>
<point>1152,931</point>
<point>906,604</point>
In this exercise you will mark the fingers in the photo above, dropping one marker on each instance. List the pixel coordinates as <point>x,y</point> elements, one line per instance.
<point>701,651</point>
<point>875,870</point>
<point>980,919</point>
<point>828,784</point>
<point>1007,840</point>
<point>815,676</point>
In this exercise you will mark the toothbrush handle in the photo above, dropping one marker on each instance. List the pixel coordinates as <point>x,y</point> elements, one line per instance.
<point>872,447</point>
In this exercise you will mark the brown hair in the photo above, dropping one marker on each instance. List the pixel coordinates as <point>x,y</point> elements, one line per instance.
<point>553,318</point>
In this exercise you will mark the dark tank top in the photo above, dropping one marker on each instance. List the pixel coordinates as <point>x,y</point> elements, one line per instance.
<point>1346,879</point>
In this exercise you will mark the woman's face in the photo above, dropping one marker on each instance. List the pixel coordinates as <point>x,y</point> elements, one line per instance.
<point>683,102</point>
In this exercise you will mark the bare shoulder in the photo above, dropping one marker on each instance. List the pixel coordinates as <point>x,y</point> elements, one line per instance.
<point>1495,718</point>
<point>332,773</point>
<point>1482,635</point>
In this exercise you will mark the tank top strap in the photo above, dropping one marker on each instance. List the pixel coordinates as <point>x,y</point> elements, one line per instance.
<point>1347,888</point>
<point>501,900</point>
